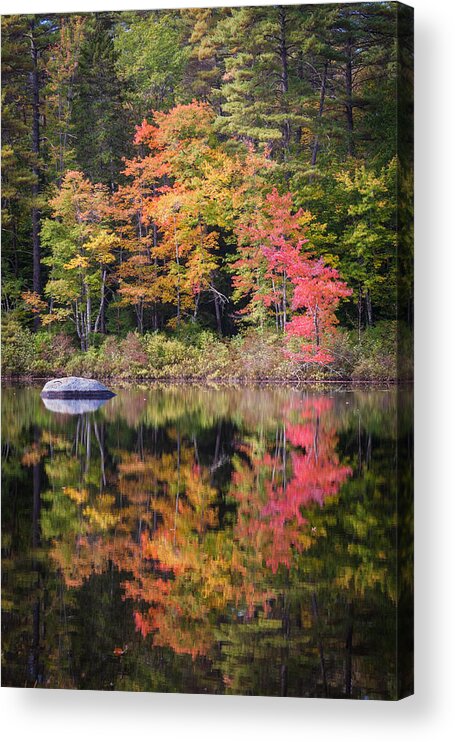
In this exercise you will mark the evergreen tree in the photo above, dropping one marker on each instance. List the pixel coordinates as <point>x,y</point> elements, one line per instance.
<point>99,121</point>
<point>25,46</point>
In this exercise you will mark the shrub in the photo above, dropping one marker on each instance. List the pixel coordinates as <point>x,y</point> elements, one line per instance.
<point>345,356</point>
<point>376,353</point>
<point>109,361</point>
<point>260,355</point>
<point>18,348</point>
<point>197,353</point>
<point>169,356</point>
<point>83,363</point>
<point>52,352</point>
<point>132,357</point>
<point>213,358</point>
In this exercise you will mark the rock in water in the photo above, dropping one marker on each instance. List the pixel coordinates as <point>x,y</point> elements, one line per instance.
<point>76,387</point>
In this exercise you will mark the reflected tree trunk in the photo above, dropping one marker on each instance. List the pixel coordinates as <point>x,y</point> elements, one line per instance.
<point>314,606</point>
<point>348,659</point>
<point>101,448</point>
<point>34,657</point>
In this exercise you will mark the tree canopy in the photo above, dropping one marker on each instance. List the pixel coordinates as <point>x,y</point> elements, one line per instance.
<point>248,162</point>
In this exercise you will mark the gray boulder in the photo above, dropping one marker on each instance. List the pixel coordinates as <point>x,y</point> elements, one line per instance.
<point>76,387</point>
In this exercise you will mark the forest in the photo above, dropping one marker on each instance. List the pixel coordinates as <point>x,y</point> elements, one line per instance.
<point>207,193</point>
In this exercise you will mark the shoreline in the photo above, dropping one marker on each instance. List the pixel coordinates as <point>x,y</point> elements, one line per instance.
<point>225,381</point>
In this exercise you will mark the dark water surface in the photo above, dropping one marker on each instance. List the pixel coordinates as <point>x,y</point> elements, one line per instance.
<point>202,540</point>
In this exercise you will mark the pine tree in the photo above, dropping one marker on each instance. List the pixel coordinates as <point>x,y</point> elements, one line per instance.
<point>99,120</point>
<point>25,46</point>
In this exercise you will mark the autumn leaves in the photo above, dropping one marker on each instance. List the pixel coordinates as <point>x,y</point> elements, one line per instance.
<point>195,222</point>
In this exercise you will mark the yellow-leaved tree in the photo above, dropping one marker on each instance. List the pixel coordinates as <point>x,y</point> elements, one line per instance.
<point>81,247</point>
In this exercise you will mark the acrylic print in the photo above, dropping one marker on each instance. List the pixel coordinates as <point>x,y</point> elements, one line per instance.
<point>207,351</point>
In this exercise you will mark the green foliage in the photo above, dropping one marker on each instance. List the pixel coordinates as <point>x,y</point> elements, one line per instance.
<point>101,128</point>
<point>18,348</point>
<point>233,102</point>
<point>150,58</point>
<point>197,353</point>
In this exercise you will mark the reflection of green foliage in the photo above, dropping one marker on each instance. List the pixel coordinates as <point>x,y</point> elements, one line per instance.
<point>139,517</point>
<point>60,518</point>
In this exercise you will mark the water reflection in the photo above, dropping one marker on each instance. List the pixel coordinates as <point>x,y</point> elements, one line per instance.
<point>225,541</point>
<point>72,406</point>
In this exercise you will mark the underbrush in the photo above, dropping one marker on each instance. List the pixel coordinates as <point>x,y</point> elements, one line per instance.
<point>195,353</point>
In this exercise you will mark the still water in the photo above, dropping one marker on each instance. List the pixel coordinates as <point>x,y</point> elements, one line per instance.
<point>205,540</point>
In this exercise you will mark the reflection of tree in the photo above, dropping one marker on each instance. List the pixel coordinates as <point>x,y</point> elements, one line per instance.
<point>235,538</point>
<point>274,486</point>
<point>162,526</point>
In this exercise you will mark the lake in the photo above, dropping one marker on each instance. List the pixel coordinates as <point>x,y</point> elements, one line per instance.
<point>208,540</point>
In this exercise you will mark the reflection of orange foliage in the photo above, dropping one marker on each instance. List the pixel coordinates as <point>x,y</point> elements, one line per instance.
<point>33,455</point>
<point>141,624</point>
<point>160,525</point>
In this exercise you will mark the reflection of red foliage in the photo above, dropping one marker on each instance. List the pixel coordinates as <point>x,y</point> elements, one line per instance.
<point>281,486</point>
<point>142,624</point>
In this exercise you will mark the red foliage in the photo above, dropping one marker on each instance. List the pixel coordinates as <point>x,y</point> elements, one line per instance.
<point>273,255</point>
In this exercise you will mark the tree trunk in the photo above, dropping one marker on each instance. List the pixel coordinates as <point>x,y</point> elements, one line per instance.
<point>218,315</point>
<point>139,307</point>
<point>196,305</point>
<point>314,153</point>
<point>99,322</point>
<point>35,189</point>
<point>316,327</point>
<point>359,312</point>
<point>284,75</point>
<point>369,308</point>
<point>177,261</point>
<point>88,316</point>
<point>284,300</point>
<point>348,104</point>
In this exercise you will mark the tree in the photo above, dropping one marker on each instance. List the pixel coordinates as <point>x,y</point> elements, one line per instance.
<point>318,290</point>
<point>26,41</point>
<point>100,125</point>
<point>259,96</point>
<point>151,55</point>
<point>81,250</point>
<point>186,194</point>
<point>273,270</point>
<point>258,275</point>
<point>137,271</point>
<point>62,80</point>
<point>369,238</point>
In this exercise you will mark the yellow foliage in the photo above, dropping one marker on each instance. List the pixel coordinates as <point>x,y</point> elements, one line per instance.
<point>77,495</point>
<point>78,262</point>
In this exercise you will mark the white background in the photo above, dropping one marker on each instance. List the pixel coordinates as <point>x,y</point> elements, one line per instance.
<point>48,715</point>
